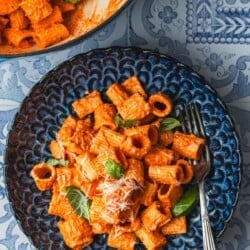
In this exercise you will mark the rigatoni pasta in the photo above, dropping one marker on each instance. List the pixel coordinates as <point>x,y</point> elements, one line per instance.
<point>125,181</point>
<point>32,21</point>
<point>49,22</point>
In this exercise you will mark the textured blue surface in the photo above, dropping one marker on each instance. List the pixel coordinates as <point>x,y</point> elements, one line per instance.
<point>164,26</point>
<point>217,22</point>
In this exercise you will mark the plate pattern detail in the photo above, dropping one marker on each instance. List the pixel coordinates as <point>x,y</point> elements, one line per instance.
<point>217,22</point>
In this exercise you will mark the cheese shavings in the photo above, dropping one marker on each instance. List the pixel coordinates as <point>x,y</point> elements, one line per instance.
<point>120,196</point>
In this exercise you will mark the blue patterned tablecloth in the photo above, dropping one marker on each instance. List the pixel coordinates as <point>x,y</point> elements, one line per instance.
<point>211,36</point>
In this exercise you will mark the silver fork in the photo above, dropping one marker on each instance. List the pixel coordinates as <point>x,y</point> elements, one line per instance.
<point>192,123</point>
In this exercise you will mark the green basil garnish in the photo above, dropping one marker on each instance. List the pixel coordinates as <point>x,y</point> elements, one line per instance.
<point>125,123</point>
<point>79,201</point>
<point>114,169</point>
<point>55,162</point>
<point>168,124</point>
<point>72,1</point>
<point>187,202</point>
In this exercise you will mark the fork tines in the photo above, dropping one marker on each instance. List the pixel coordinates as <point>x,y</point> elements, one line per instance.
<point>192,124</point>
<point>191,120</point>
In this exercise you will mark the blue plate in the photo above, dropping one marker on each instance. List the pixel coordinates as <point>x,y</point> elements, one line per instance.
<point>49,103</point>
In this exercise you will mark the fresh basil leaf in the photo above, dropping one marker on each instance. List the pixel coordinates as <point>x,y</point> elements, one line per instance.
<point>114,169</point>
<point>125,123</point>
<point>187,202</point>
<point>79,201</point>
<point>72,1</point>
<point>55,162</point>
<point>169,123</point>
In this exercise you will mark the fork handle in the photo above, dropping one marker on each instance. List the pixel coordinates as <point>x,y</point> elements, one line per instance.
<point>208,239</point>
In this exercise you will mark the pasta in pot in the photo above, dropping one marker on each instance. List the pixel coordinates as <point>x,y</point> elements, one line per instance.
<point>30,22</point>
<point>116,165</point>
<point>26,23</point>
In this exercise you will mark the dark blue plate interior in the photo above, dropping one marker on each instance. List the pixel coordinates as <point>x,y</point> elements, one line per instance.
<point>49,103</point>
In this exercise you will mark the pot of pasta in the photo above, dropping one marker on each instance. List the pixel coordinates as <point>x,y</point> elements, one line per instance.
<point>36,26</point>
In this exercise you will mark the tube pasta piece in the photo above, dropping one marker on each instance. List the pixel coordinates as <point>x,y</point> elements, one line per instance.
<point>122,241</point>
<point>3,22</point>
<point>166,174</point>
<point>188,145</point>
<point>98,206</point>
<point>187,170</point>
<point>36,10</point>
<point>67,129</point>
<point>128,227</point>
<point>133,85</point>
<point>76,231</point>
<point>117,94</point>
<point>54,17</point>
<point>72,148</point>
<point>68,176</point>
<point>99,143</point>
<point>152,240</point>
<point>86,166</point>
<point>56,150</point>
<point>149,194</point>
<point>91,189</point>
<point>100,228</point>
<point>83,134</point>
<point>105,116</point>
<point>134,212</point>
<point>134,108</point>
<point>83,139</point>
<point>150,131</point>
<point>70,121</point>
<point>87,104</point>
<point>50,35</point>
<point>114,138</point>
<point>135,171</point>
<point>18,37</point>
<point>66,7</point>
<point>65,176</point>
<point>159,156</point>
<point>177,225</point>
<point>6,7</point>
<point>44,176</point>
<point>121,197</point>
<point>84,124</point>
<point>59,204</point>
<point>169,194</point>
<point>153,217</point>
<point>136,146</point>
<point>114,154</point>
<point>166,138</point>
<point>18,20</point>
<point>161,105</point>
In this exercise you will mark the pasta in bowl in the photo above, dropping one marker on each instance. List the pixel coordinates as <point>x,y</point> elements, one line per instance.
<point>49,104</point>
<point>28,26</point>
<point>118,169</point>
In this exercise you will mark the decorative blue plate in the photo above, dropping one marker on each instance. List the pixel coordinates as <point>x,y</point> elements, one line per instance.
<point>49,103</point>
